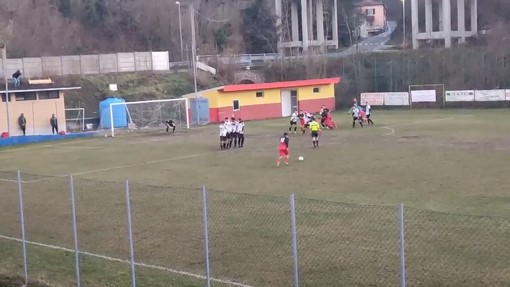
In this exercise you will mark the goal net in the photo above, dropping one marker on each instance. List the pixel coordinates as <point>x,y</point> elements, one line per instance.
<point>75,119</point>
<point>144,116</point>
<point>431,96</point>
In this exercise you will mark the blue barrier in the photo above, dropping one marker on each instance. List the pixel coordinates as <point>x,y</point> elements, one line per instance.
<point>19,140</point>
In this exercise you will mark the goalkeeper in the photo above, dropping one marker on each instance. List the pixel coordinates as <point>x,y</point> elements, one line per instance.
<point>170,124</point>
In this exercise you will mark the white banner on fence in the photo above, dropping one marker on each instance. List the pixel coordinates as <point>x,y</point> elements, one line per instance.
<point>460,96</point>
<point>396,99</point>
<point>423,96</point>
<point>374,99</point>
<point>508,95</point>
<point>490,95</point>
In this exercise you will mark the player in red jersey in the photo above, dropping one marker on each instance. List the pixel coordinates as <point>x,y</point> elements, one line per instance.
<point>284,149</point>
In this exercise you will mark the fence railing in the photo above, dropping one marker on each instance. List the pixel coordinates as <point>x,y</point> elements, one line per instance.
<point>70,231</point>
<point>87,64</point>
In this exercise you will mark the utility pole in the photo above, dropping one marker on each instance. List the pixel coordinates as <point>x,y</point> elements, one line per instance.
<point>180,29</point>
<point>3,46</point>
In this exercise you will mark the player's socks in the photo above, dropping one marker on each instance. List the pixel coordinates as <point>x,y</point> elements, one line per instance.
<point>317,143</point>
<point>353,124</point>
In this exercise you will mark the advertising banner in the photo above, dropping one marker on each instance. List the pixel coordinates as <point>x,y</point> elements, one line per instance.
<point>374,99</point>
<point>490,95</point>
<point>396,99</point>
<point>508,95</point>
<point>460,96</point>
<point>423,96</point>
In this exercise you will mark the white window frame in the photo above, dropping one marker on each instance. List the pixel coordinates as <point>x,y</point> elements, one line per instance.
<point>238,105</point>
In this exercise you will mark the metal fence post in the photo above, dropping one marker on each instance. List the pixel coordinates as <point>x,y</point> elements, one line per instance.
<point>402,246</point>
<point>206,237</point>
<point>22,220</point>
<point>130,231</point>
<point>75,232</point>
<point>294,239</point>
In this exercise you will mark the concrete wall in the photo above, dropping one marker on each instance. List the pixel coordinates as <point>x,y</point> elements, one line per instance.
<point>87,64</point>
<point>37,114</point>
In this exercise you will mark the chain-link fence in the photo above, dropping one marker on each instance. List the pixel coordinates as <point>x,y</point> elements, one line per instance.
<point>77,232</point>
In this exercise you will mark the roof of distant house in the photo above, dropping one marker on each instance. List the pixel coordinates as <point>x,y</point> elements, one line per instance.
<point>370,3</point>
<point>280,85</point>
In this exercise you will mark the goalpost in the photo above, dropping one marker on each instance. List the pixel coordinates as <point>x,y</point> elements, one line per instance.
<point>148,115</point>
<point>427,96</point>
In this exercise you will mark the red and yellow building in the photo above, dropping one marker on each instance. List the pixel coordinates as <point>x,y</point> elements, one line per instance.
<point>263,101</point>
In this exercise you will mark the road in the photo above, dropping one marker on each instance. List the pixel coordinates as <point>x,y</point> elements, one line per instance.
<point>366,46</point>
<point>373,43</point>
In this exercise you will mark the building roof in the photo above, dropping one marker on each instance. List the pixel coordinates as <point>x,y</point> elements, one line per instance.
<point>37,88</point>
<point>370,3</point>
<point>280,85</point>
<point>199,93</point>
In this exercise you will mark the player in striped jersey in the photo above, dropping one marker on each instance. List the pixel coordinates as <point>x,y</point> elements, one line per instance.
<point>223,136</point>
<point>354,111</point>
<point>240,133</point>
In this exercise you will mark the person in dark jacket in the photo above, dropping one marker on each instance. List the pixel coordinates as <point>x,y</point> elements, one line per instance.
<point>170,124</point>
<point>15,77</point>
<point>54,124</point>
<point>22,121</point>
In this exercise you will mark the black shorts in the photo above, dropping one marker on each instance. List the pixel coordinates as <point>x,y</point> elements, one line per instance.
<point>292,123</point>
<point>241,136</point>
<point>228,135</point>
<point>354,118</point>
<point>233,135</point>
<point>368,116</point>
<point>222,138</point>
<point>314,134</point>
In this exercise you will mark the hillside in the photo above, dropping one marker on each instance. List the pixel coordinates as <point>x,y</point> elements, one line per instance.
<point>131,87</point>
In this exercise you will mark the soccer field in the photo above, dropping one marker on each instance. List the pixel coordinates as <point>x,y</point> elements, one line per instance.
<point>455,162</point>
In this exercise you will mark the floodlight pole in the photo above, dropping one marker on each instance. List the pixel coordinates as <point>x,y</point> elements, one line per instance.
<point>4,58</point>
<point>180,29</point>
<point>194,56</point>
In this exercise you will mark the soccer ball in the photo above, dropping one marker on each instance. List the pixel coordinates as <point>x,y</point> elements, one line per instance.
<point>301,158</point>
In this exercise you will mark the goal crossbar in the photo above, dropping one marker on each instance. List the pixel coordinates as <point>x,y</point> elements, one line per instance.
<point>112,127</point>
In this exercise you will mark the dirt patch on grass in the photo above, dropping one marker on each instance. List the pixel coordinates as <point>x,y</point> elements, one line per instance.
<point>16,281</point>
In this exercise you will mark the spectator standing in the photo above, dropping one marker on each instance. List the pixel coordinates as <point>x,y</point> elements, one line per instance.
<point>54,124</point>
<point>22,121</point>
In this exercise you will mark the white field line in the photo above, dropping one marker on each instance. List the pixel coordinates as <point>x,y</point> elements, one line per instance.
<point>126,261</point>
<point>392,130</point>
<point>45,146</point>
<point>143,163</point>
<point>114,167</point>
<point>72,147</point>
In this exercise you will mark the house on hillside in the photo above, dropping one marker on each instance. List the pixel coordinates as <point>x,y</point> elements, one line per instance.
<point>374,17</point>
<point>261,101</point>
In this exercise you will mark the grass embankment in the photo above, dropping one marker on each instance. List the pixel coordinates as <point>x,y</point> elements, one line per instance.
<point>132,87</point>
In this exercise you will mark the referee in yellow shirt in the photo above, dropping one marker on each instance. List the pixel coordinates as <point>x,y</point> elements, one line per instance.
<point>315,129</point>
